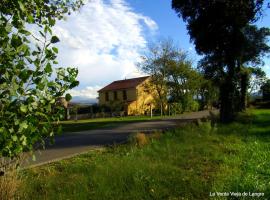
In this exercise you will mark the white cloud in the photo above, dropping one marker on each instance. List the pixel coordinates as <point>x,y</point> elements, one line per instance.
<point>88,92</point>
<point>104,41</point>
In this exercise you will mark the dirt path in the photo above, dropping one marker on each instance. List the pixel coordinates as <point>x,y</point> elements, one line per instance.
<point>75,143</point>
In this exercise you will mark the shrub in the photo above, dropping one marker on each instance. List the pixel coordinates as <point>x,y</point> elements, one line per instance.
<point>176,108</point>
<point>194,106</point>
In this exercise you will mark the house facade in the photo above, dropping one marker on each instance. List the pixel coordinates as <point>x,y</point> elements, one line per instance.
<point>132,96</point>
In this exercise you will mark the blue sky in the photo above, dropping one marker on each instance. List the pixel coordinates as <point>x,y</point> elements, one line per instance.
<point>170,25</point>
<point>106,37</point>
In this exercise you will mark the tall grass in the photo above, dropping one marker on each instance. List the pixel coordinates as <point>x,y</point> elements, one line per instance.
<point>9,179</point>
<point>186,163</point>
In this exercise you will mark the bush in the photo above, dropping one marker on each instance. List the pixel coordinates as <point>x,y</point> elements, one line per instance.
<point>194,106</point>
<point>176,108</point>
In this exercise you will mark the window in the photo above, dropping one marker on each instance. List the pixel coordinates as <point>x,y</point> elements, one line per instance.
<point>124,95</point>
<point>115,95</point>
<point>106,96</point>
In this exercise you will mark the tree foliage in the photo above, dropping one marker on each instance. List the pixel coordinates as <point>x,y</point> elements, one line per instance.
<point>222,32</point>
<point>155,62</point>
<point>174,78</point>
<point>257,79</point>
<point>29,83</point>
<point>183,82</point>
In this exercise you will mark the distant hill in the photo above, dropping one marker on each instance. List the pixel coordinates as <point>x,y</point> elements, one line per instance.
<point>83,100</point>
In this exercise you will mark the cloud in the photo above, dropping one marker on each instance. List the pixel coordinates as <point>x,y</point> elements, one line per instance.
<point>89,92</point>
<point>103,40</point>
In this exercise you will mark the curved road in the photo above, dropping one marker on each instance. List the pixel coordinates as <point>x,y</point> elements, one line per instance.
<point>71,144</point>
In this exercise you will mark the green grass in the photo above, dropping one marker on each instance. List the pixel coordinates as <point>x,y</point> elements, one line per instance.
<point>187,163</point>
<point>90,124</point>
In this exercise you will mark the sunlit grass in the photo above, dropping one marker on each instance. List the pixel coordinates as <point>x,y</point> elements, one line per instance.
<point>187,163</point>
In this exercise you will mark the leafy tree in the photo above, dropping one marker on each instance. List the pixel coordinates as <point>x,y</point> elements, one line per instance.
<point>251,80</point>
<point>220,31</point>
<point>172,76</point>
<point>183,81</point>
<point>254,48</point>
<point>257,79</point>
<point>155,62</point>
<point>208,93</point>
<point>29,84</point>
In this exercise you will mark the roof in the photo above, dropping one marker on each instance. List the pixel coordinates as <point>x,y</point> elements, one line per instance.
<point>124,84</point>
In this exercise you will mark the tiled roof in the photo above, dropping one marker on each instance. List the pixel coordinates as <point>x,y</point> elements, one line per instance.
<point>124,84</point>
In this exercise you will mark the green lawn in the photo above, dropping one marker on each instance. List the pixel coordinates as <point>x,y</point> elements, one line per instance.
<point>187,163</point>
<point>89,124</point>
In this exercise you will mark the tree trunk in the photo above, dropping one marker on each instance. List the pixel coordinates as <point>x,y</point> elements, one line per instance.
<point>226,104</point>
<point>243,92</point>
<point>227,97</point>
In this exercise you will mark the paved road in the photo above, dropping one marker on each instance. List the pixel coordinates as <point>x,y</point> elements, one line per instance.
<point>75,143</point>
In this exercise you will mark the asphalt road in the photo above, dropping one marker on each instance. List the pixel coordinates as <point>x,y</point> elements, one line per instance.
<point>71,144</point>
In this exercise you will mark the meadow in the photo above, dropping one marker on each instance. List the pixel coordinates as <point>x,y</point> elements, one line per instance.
<point>194,161</point>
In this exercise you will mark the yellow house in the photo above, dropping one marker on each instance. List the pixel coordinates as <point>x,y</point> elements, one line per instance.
<point>133,96</point>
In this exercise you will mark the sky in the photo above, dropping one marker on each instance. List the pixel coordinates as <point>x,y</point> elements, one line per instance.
<point>106,38</point>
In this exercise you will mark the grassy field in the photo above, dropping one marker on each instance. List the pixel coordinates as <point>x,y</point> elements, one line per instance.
<point>187,163</point>
<point>90,124</point>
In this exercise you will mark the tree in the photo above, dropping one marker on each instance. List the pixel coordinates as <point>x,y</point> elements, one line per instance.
<point>29,84</point>
<point>257,80</point>
<point>183,82</point>
<point>155,62</point>
<point>251,80</point>
<point>266,90</point>
<point>217,29</point>
<point>208,93</point>
<point>254,47</point>
<point>172,76</point>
